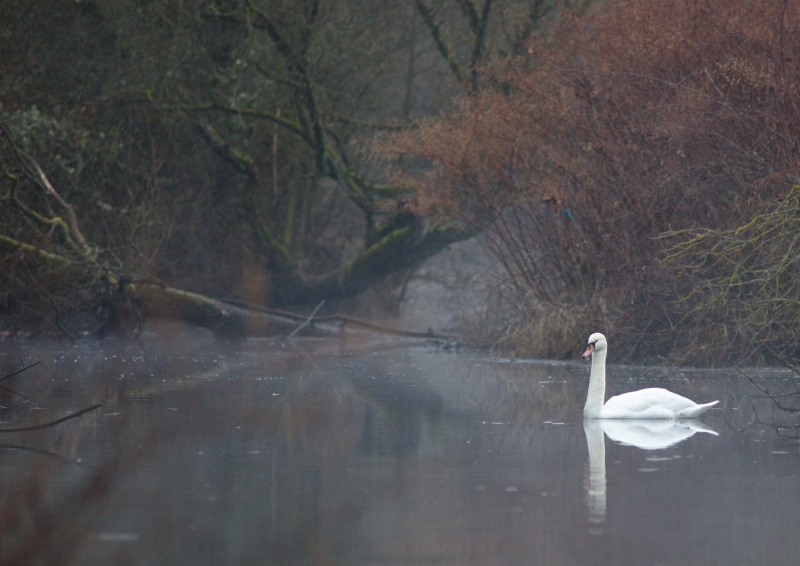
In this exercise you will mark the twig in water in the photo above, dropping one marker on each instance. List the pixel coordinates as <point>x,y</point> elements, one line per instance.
<point>34,450</point>
<point>52,423</point>
<point>733,428</point>
<point>12,374</point>
<point>771,396</point>
<point>310,318</point>
<point>388,330</point>
<point>15,394</point>
<point>779,428</point>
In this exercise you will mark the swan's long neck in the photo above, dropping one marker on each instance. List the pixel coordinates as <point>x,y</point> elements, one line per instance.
<point>597,386</point>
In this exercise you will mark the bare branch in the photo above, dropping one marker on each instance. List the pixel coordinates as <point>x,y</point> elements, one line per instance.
<point>19,371</point>
<point>446,51</point>
<point>34,172</point>
<point>253,112</point>
<point>308,320</point>
<point>52,423</point>
<point>73,220</point>
<point>238,158</point>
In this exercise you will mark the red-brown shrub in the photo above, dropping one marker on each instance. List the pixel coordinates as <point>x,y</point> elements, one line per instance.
<point>623,122</point>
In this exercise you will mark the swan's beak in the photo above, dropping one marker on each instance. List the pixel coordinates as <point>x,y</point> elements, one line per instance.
<point>588,351</point>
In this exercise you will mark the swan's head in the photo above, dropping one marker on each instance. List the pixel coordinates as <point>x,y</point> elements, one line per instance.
<point>597,343</point>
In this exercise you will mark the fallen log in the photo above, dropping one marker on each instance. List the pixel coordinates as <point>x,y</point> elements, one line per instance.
<point>154,299</point>
<point>343,319</point>
<point>161,301</point>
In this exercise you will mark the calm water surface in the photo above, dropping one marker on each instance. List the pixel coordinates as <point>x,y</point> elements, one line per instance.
<point>331,452</point>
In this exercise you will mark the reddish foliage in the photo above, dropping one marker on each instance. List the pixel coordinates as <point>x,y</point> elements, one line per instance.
<point>623,122</point>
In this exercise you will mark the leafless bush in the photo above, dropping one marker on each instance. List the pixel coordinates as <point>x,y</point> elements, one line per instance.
<point>745,281</point>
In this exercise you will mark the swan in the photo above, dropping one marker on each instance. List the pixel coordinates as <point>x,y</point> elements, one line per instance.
<point>651,434</point>
<point>645,434</point>
<point>653,403</point>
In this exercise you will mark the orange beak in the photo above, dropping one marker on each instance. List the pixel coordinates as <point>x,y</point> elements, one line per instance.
<point>588,351</point>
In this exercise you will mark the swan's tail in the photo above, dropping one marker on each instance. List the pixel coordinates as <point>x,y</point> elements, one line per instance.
<point>697,426</point>
<point>696,411</point>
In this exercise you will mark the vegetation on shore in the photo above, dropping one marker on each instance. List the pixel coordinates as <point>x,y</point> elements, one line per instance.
<point>632,166</point>
<point>635,170</point>
<point>217,148</point>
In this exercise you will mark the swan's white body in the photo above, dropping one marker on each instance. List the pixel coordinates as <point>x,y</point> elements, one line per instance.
<point>653,403</point>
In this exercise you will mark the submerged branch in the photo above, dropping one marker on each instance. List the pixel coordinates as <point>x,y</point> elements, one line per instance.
<point>776,399</point>
<point>308,321</point>
<point>345,319</point>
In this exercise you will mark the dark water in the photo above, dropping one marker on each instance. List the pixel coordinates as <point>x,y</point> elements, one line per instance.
<point>329,452</point>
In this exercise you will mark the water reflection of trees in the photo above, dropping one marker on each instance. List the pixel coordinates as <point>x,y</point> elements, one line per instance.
<point>786,398</point>
<point>332,461</point>
<point>395,415</point>
<point>49,500</point>
<point>30,511</point>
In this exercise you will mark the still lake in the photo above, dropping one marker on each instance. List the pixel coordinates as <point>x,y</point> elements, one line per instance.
<point>326,452</point>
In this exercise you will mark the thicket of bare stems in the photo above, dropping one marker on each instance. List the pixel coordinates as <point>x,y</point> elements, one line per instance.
<point>747,279</point>
<point>624,122</point>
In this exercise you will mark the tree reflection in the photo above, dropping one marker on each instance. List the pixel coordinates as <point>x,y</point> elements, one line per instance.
<point>395,415</point>
<point>784,397</point>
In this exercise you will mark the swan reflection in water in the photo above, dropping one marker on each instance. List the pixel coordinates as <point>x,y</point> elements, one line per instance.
<point>647,434</point>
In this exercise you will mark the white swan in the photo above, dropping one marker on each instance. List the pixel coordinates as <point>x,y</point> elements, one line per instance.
<point>645,434</point>
<point>651,434</point>
<point>653,403</point>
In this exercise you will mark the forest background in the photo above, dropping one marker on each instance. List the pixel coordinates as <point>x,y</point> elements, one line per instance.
<point>631,165</point>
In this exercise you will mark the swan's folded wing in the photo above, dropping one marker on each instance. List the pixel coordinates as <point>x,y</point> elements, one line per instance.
<point>647,403</point>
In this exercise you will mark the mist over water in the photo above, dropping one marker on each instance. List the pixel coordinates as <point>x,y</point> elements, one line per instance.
<point>333,452</point>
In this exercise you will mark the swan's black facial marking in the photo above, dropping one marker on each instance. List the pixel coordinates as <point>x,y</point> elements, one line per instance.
<point>589,350</point>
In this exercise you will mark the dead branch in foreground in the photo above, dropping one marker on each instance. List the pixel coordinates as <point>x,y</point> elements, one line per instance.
<point>15,394</point>
<point>52,423</point>
<point>12,374</point>
<point>34,451</point>
<point>19,371</point>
